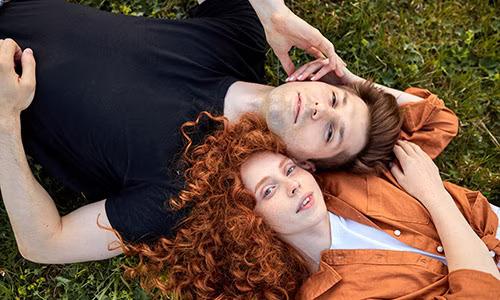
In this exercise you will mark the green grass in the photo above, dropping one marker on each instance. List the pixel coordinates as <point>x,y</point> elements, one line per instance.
<point>449,47</point>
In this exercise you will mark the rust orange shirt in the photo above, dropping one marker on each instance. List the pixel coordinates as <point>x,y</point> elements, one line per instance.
<point>380,202</point>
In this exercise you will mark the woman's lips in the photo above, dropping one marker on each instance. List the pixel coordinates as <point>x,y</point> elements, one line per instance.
<point>297,108</point>
<point>306,203</point>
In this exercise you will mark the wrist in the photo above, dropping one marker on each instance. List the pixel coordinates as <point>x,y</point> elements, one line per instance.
<point>438,200</point>
<point>270,12</point>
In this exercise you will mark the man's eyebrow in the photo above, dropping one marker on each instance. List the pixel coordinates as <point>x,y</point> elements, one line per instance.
<point>344,99</point>
<point>283,161</point>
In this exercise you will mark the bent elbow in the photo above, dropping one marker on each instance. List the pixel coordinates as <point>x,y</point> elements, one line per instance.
<point>33,255</point>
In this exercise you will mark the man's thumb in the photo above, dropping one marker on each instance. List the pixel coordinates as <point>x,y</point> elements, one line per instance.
<point>28,64</point>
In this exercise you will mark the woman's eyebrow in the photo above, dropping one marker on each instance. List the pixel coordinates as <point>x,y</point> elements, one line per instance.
<point>282,162</point>
<point>261,182</point>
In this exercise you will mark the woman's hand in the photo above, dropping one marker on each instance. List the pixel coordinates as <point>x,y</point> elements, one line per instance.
<point>285,30</point>
<point>320,69</point>
<point>418,174</point>
<point>16,92</point>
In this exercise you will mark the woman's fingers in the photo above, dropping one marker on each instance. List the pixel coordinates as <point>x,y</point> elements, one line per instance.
<point>397,172</point>
<point>401,155</point>
<point>406,147</point>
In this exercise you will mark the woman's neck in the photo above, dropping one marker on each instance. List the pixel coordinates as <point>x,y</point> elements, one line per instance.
<point>311,242</point>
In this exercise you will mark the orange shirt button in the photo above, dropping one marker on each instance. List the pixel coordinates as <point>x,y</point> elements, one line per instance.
<point>397,232</point>
<point>440,249</point>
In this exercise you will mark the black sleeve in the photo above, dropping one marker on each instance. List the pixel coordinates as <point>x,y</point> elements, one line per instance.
<point>142,213</point>
<point>237,14</point>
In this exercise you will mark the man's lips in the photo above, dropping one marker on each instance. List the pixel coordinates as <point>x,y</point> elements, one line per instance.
<point>297,108</point>
<point>305,202</point>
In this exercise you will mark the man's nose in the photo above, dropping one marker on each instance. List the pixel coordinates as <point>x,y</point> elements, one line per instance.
<point>317,111</point>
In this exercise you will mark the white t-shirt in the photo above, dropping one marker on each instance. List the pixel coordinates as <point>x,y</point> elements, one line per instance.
<point>348,234</point>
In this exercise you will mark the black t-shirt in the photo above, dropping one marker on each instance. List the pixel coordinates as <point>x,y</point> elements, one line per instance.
<point>113,91</point>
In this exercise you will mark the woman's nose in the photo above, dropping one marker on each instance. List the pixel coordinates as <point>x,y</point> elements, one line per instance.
<point>293,188</point>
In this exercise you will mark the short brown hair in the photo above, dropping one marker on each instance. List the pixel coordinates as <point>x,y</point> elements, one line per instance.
<point>383,132</point>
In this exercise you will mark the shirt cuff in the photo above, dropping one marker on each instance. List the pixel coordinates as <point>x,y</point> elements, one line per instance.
<point>474,284</point>
<point>416,114</point>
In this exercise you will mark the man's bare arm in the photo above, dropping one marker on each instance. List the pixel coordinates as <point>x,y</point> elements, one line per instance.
<point>285,30</point>
<point>41,234</point>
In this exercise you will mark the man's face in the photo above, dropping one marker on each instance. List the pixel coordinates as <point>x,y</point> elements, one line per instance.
<point>317,120</point>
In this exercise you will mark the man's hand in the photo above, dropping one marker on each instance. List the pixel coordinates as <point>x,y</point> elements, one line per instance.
<point>16,92</point>
<point>285,30</point>
<point>320,69</point>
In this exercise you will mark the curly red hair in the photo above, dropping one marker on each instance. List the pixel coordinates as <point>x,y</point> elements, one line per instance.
<point>222,250</point>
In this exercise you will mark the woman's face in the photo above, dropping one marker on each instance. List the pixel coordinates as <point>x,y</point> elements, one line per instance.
<point>288,197</point>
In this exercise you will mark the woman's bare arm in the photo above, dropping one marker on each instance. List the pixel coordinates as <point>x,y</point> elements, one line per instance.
<point>419,176</point>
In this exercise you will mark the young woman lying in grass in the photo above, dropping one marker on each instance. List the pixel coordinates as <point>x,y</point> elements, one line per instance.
<point>262,228</point>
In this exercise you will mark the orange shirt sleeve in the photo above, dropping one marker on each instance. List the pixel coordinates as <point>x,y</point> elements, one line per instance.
<point>428,123</point>
<point>478,213</point>
<point>470,284</point>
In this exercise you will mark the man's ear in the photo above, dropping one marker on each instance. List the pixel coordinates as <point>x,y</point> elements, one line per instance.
<point>306,165</point>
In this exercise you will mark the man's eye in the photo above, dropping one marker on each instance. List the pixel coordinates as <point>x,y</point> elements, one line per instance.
<point>290,170</point>
<point>268,191</point>
<point>330,133</point>
<point>334,99</point>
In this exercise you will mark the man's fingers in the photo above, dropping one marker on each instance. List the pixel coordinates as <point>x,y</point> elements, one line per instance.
<point>335,62</point>
<point>28,63</point>
<point>310,69</point>
<point>340,67</point>
<point>298,72</point>
<point>286,62</point>
<point>8,52</point>
<point>322,72</point>
<point>315,52</point>
<point>326,47</point>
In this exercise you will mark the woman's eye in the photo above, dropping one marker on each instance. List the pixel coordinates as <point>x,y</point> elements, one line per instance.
<point>329,135</point>
<point>334,99</point>
<point>268,191</point>
<point>290,170</point>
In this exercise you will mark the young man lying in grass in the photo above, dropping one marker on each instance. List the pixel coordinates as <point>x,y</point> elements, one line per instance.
<point>113,135</point>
